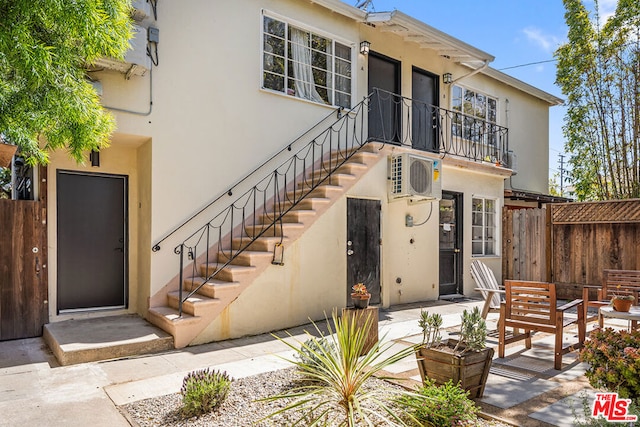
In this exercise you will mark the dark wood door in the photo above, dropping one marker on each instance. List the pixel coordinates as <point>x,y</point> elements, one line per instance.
<point>424,115</point>
<point>450,244</point>
<point>23,273</point>
<point>363,246</point>
<point>92,241</point>
<point>385,110</point>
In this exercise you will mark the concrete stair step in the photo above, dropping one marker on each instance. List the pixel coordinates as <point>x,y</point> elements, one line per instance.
<point>245,257</point>
<point>325,191</point>
<point>219,289</point>
<point>90,340</point>
<point>283,229</point>
<point>308,203</point>
<point>297,216</point>
<point>338,179</point>
<point>263,243</point>
<point>231,273</point>
<point>195,305</point>
<point>352,167</point>
<point>170,317</point>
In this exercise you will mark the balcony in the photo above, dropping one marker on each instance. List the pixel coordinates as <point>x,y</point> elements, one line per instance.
<point>395,119</point>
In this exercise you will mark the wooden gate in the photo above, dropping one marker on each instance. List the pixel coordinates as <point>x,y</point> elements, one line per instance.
<point>23,271</point>
<point>525,244</point>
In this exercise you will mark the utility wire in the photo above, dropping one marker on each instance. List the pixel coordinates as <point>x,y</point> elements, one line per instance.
<point>526,65</point>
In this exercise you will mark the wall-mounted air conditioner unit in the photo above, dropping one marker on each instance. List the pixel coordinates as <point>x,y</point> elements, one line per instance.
<point>414,178</point>
<point>136,61</point>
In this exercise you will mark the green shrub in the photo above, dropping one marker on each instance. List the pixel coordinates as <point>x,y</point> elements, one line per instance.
<point>313,353</point>
<point>203,391</point>
<point>335,392</point>
<point>446,405</point>
<point>614,362</point>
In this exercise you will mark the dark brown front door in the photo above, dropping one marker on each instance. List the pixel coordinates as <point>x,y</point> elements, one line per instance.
<point>363,246</point>
<point>450,244</point>
<point>23,273</point>
<point>385,109</point>
<point>92,241</point>
<point>424,115</point>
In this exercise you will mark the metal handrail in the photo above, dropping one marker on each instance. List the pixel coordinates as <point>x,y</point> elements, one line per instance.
<point>156,247</point>
<point>408,122</point>
<point>382,116</point>
<point>259,211</point>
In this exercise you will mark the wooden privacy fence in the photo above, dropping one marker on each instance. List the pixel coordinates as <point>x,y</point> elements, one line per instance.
<point>591,237</point>
<point>525,244</point>
<point>571,244</point>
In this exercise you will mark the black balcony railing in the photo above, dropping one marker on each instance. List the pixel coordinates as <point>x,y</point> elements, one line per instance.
<point>317,154</point>
<point>395,119</point>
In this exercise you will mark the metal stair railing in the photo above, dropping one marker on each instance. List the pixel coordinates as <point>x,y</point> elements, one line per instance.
<point>259,211</point>
<point>382,116</point>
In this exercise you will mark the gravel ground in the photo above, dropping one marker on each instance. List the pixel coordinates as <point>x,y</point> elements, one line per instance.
<point>240,407</point>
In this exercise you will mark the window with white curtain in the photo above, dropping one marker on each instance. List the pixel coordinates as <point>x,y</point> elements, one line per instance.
<point>483,226</point>
<point>301,63</point>
<point>480,111</point>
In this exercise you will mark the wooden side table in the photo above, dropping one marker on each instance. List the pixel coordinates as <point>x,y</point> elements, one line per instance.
<point>360,316</point>
<point>633,315</point>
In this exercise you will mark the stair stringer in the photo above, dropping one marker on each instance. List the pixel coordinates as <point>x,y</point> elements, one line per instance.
<point>186,329</point>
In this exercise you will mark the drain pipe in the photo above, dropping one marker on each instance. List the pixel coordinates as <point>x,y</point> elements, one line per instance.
<point>476,71</point>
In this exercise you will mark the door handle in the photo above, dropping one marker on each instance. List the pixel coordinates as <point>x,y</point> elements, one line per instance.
<point>457,251</point>
<point>119,249</point>
<point>349,252</point>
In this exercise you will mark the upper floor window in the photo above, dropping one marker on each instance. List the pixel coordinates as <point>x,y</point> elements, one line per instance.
<point>301,63</point>
<point>478,121</point>
<point>483,226</point>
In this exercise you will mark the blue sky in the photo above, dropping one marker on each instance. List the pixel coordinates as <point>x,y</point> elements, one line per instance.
<point>516,32</point>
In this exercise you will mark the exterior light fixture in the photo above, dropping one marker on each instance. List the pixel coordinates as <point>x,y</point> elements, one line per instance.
<point>365,47</point>
<point>94,157</point>
<point>447,78</point>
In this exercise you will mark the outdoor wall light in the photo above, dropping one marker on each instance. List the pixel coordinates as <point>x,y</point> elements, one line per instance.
<point>94,157</point>
<point>447,78</point>
<point>365,47</point>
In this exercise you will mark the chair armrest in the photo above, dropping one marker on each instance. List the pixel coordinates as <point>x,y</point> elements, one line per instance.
<point>497,291</point>
<point>569,305</point>
<point>592,286</point>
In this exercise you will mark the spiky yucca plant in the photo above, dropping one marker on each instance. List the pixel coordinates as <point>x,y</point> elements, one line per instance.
<point>335,394</point>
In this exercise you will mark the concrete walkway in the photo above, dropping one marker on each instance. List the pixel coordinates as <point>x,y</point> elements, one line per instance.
<point>522,389</point>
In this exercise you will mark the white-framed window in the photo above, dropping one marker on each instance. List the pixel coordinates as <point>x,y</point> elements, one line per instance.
<point>483,226</point>
<point>301,63</point>
<point>479,116</point>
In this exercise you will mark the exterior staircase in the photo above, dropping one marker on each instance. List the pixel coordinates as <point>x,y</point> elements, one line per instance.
<point>216,294</point>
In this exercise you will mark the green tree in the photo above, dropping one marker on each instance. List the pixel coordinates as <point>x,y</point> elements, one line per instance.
<point>599,72</point>
<point>46,102</point>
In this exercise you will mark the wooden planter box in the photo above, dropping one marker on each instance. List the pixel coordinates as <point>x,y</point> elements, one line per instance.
<point>470,370</point>
<point>360,316</point>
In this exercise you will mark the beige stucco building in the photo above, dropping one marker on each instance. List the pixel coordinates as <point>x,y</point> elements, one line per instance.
<point>238,83</point>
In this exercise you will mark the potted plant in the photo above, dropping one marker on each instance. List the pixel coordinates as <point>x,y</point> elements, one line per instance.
<point>360,296</point>
<point>465,361</point>
<point>622,302</point>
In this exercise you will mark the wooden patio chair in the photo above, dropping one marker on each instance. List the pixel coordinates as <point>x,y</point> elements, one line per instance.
<point>531,306</point>
<point>618,282</point>
<point>487,284</point>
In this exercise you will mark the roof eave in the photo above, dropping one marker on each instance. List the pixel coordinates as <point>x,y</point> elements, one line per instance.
<point>525,87</point>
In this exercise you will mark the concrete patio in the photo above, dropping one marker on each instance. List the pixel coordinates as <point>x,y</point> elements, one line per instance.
<point>523,388</point>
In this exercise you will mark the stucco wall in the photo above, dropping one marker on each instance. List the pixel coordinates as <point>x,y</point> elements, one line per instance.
<point>313,280</point>
<point>206,123</point>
